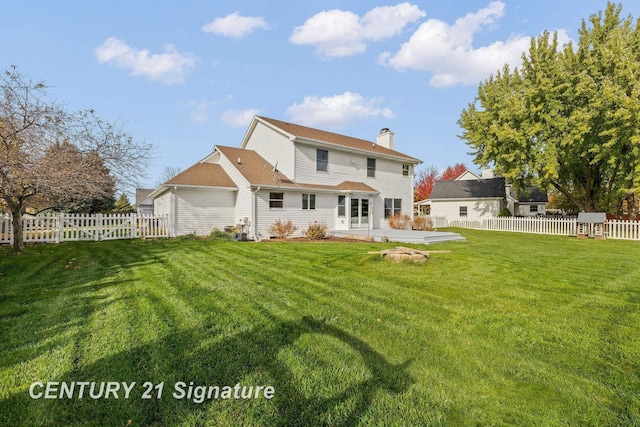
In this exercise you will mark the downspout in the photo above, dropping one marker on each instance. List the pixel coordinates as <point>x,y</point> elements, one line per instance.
<point>254,219</point>
<point>175,211</point>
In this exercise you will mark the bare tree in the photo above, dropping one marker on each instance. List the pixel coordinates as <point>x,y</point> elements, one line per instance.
<point>48,153</point>
<point>167,173</point>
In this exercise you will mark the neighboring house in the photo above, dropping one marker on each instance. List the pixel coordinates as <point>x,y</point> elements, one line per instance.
<point>484,196</point>
<point>530,202</point>
<point>290,172</point>
<point>144,203</point>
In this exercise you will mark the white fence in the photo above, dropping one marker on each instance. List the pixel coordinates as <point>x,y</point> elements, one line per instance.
<point>615,229</point>
<point>60,227</point>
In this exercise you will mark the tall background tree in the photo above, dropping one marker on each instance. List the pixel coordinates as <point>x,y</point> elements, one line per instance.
<point>425,178</point>
<point>452,172</point>
<point>49,155</point>
<point>569,117</point>
<point>167,173</point>
<point>423,183</point>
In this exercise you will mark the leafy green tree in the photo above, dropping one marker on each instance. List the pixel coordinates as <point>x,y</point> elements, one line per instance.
<point>569,117</point>
<point>122,205</point>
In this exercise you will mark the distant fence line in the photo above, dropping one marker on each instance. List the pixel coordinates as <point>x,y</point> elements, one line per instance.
<point>615,229</point>
<point>61,227</point>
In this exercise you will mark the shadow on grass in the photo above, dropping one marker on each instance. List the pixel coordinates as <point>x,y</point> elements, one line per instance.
<point>254,357</point>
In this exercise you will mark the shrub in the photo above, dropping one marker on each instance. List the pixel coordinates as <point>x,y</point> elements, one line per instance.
<point>219,235</point>
<point>316,231</point>
<point>399,221</point>
<point>422,223</point>
<point>505,212</point>
<point>282,229</point>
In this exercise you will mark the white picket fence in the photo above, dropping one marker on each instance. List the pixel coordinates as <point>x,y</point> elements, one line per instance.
<point>615,229</point>
<point>61,227</point>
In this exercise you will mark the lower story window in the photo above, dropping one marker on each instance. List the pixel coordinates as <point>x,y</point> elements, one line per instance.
<point>533,208</point>
<point>309,201</point>
<point>392,207</point>
<point>276,200</point>
<point>463,211</point>
<point>342,205</point>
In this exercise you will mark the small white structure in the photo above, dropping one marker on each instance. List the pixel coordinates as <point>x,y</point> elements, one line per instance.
<point>591,224</point>
<point>144,204</point>
<point>286,171</point>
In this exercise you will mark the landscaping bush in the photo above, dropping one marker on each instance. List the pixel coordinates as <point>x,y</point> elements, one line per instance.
<point>316,231</point>
<point>399,221</point>
<point>282,229</point>
<point>505,212</point>
<point>217,234</point>
<point>422,223</point>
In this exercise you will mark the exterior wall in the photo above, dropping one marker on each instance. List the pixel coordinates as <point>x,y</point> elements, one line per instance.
<point>326,210</point>
<point>345,166</point>
<point>145,210</point>
<point>243,206</point>
<point>525,210</point>
<point>488,208</point>
<point>274,147</point>
<point>162,204</point>
<point>200,210</point>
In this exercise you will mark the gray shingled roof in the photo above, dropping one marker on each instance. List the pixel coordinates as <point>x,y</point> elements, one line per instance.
<point>468,189</point>
<point>531,194</point>
<point>592,217</point>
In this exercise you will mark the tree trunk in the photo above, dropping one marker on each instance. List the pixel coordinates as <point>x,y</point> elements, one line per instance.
<point>16,222</point>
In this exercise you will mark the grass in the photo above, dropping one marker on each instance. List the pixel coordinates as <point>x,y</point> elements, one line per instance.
<point>508,329</point>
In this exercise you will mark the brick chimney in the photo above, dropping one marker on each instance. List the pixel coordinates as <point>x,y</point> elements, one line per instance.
<point>385,138</point>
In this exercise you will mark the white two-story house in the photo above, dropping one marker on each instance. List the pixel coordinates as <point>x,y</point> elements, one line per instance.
<point>290,172</point>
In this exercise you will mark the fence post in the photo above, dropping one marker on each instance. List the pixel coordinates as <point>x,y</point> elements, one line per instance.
<point>134,225</point>
<point>98,232</point>
<point>58,228</point>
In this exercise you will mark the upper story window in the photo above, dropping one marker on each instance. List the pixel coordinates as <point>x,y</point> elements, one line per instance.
<point>463,211</point>
<point>371,168</point>
<point>322,160</point>
<point>309,201</point>
<point>276,200</point>
<point>405,170</point>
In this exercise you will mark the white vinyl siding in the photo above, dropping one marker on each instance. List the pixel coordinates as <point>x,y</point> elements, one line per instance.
<point>476,208</point>
<point>325,211</point>
<point>200,210</point>
<point>274,147</point>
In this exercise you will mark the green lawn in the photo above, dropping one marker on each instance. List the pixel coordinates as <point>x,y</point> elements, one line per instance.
<point>508,329</point>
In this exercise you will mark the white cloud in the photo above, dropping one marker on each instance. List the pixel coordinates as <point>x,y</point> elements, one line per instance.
<point>234,25</point>
<point>168,67</point>
<point>239,118</point>
<point>336,111</point>
<point>447,50</point>
<point>201,112</point>
<point>337,33</point>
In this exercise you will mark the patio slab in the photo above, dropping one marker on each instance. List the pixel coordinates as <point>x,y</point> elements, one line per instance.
<point>403,236</point>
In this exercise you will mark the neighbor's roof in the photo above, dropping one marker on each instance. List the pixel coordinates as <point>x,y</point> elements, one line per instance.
<point>468,189</point>
<point>203,174</point>
<point>142,195</point>
<point>592,217</point>
<point>530,194</point>
<point>335,138</point>
<point>258,172</point>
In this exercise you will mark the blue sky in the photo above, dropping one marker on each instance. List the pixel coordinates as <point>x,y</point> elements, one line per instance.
<point>185,76</point>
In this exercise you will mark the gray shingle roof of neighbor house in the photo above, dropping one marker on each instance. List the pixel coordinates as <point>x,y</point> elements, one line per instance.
<point>530,194</point>
<point>468,189</point>
<point>592,217</point>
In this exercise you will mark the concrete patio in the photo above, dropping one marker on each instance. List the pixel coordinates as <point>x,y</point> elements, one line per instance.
<point>404,236</point>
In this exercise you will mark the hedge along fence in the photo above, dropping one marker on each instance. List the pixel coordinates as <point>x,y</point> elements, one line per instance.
<point>61,227</point>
